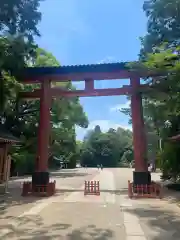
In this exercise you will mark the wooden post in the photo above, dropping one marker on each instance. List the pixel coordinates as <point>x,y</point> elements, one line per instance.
<point>8,166</point>
<point>141,176</point>
<point>89,84</point>
<point>139,138</point>
<point>44,127</point>
<point>40,178</point>
<point>1,162</point>
<point>5,163</point>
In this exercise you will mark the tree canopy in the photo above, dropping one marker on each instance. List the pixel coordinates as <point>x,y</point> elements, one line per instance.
<point>111,149</point>
<point>18,28</point>
<point>162,26</point>
<point>160,52</point>
<point>23,121</point>
<point>20,17</point>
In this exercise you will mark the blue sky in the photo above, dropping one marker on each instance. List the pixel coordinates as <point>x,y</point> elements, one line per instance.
<point>85,32</point>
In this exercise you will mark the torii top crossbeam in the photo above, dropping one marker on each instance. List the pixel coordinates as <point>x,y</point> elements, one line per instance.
<point>81,72</point>
<point>87,73</point>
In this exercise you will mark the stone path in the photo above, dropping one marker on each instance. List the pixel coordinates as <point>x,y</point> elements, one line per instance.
<point>74,217</point>
<point>107,183</point>
<point>108,216</point>
<point>159,220</point>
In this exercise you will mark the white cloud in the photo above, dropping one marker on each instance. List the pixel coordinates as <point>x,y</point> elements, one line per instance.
<point>118,107</point>
<point>104,125</point>
<point>108,59</point>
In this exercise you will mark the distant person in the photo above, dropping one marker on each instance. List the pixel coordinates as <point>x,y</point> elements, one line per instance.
<point>150,167</point>
<point>101,167</point>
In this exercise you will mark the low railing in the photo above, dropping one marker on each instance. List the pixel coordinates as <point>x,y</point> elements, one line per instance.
<point>38,190</point>
<point>91,188</point>
<point>153,190</point>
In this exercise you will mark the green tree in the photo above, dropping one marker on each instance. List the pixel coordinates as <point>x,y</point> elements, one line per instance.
<point>163,24</point>
<point>18,26</point>
<point>105,148</point>
<point>20,17</point>
<point>23,122</point>
<point>160,52</point>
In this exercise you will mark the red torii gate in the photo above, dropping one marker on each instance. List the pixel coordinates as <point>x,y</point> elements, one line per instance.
<point>87,73</point>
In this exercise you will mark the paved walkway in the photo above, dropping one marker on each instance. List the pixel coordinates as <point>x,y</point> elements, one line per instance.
<point>108,216</point>
<point>159,220</point>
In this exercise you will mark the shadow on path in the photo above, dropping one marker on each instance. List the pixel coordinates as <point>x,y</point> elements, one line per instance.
<point>171,195</point>
<point>33,228</point>
<point>158,223</point>
<point>14,199</point>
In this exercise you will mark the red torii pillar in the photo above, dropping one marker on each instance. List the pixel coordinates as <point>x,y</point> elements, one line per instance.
<point>141,174</point>
<point>41,174</point>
